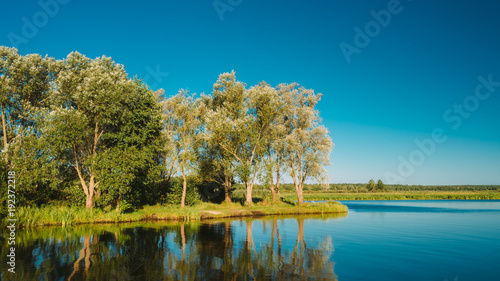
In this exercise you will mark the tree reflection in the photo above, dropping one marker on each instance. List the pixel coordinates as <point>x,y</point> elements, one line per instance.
<point>184,251</point>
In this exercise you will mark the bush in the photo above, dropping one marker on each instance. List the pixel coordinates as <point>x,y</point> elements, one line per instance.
<point>174,192</point>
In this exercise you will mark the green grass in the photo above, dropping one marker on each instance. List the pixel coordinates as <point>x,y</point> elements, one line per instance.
<point>62,216</point>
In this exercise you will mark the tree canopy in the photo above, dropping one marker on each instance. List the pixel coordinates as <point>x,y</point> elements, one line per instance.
<point>88,134</point>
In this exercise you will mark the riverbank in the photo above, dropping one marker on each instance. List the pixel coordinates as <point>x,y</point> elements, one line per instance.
<point>63,215</point>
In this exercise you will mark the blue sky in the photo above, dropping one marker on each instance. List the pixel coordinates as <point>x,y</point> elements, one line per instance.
<point>406,76</point>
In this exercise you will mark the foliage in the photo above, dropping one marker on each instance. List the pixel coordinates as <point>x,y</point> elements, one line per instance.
<point>307,144</point>
<point>79,131</point>
<point>381,186</point>
<point>175,191</point>
<point>182,116</point>
<point>240,123</point>
<point>371,186</point>
<point>104,125</point>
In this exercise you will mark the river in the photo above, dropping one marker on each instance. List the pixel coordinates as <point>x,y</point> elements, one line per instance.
<point>376,240</point>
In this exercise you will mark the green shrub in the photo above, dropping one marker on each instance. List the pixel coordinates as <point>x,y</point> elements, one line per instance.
<point>174,193</point>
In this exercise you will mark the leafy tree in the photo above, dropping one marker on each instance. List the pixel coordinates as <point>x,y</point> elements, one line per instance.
<point>241,123</point>
<point>371,186</point>
<point>176,191</point>
<point>380,185</point>
<point>127,170</point>
<point>216,165</point>
<point>216,168</point>
<point>274,142</point>
<point>183,124</point>
<point>307,144</point>
<point>26,84</point>
<point>101,123</point>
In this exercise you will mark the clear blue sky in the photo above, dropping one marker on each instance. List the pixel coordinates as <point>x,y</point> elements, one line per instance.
<point>398,87</point>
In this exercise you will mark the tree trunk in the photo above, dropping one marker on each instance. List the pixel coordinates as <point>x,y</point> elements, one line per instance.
<point>277,181</point>
<point>5,140</point>
<point>90,192</point>
<point>227,190</point>
<point>271,187</point>
<point>298,189</point>
<point>273,192</point>
<point>249,193</point>
<point>118,203</point>
<point>184,188</point>
<point>300,195</point>
<point>89,202</point>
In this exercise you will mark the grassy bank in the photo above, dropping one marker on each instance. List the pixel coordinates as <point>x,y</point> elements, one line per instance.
<point>62,215</point>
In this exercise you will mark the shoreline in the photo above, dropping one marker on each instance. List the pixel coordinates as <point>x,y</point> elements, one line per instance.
<point>29,217</point>
<point>53,215</point>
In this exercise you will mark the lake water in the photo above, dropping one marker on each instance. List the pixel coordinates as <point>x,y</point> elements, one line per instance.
<point>377,240</point>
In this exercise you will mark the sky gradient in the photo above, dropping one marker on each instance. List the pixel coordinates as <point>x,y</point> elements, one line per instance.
<point>412,68</point>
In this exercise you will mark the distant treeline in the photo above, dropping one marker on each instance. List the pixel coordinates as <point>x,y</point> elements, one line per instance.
<point>361,187</point>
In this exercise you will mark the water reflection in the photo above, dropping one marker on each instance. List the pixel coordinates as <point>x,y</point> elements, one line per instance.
<point>223,250</point>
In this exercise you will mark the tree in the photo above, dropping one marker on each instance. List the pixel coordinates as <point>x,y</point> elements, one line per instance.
<point>381,186</point>
<point>127,171</point>
<point>307,144</point>
<point>100,119</point>
<point>215,164</point>
<point>182,117</point>
<point>274,142</point>
<point>240,124</point>
<point>371,186</point>
<point>26,84</point>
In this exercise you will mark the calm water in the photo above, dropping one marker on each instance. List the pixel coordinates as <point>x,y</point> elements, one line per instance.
<point>377,240</point>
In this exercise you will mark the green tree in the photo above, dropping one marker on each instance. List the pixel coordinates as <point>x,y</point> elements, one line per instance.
<point>274,141</point>
<point>307,144</point>
<point>371,186</point>
<point>241,123</point>
<point>26,84</point>
<point>216,165</point>
<point>127,170</point>
<point>183,124</point>
<point>101,124</point>
<point>381,186</point>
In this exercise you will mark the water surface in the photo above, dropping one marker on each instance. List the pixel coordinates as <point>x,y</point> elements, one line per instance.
<point>377,240</point>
